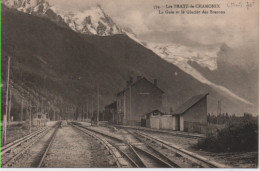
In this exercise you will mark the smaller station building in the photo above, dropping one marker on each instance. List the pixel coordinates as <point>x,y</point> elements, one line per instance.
<point>39,119</point>
<point>191,116</point>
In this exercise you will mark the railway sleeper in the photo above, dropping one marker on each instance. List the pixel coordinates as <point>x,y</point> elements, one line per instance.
<point>195,158</point>
<point>123,147</point>
<point>120,161</point>
<point>19,154</point>
<point>174,158</point>
<point>194,162</point>
<point>159,152</point>
<point>166,164</point>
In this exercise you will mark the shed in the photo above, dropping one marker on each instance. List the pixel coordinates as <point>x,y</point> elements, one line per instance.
<point>191,116</point>
<point>153,119</point>
<point>39,119</point>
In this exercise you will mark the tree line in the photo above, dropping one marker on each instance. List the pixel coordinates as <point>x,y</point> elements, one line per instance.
<point>225,118</point>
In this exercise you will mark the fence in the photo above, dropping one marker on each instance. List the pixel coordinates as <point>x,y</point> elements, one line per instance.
<point>207,129</point>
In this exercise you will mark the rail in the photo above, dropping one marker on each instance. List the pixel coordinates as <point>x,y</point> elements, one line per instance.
<point>48,148</point>
<point>176,133</point>
<point>36,136</point>
<point>206,163</point>
<point>120,162</point>
<point>17,142</point>
<point>134,148</point>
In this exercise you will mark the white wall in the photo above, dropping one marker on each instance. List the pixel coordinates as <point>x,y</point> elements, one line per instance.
<point>167,122</point>
<point>155,122</point>
<point>181,123</point>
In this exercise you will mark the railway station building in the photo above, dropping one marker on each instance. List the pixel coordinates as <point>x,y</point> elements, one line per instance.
<point>191,116</point>
<point>137,99</point>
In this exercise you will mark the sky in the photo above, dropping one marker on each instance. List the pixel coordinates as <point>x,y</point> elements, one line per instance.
<point>238,27</point>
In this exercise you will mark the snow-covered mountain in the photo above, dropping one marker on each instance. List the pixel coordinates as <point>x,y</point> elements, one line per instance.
<point>180,54</point>
<point>91,21</point>
<point>28,6</point>
<point>95,21</point>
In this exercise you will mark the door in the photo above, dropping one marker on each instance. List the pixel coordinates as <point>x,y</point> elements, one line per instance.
<point>177,123</point>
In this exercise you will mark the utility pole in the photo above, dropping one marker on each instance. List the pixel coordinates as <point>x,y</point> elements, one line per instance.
<point>130,100</point>
<point>166,103</point>
<point>124,120</point>
<point>87,111</point>
<point>92,112</point>
<point>6,101</point>
<point>10,107</point>
<point>30,113</point>
<point>83,113</point>
<point>42,106</point>
<point>26,107</point>
<point>219,107</point>
<point>21,110</point>
<point>97,104</point>
<point>219,110</point>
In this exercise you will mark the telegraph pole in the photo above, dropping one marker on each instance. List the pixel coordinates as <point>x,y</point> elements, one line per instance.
<point>10,106</point>
<point>27,109</point>
<point>219,110</point>
<point>92,117</point>
<point>83,113</point>
<point>87,111</point>
<point>219,107</point>
<point>30,120</point>
<point>124,120</point>
<point>21,110</point>
<point>92,112</point>
<point>130,100</point>
<point>97,104</point>
<point>42,105</point>
<point>6,101</point>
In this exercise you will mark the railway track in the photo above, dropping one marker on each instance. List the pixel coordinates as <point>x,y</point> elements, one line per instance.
<point>119,160</point>
<point>41,163</point>
<point>6,148</point>
<point>137,154</point>
<point>149,156</point>
<point>15,150</point>
<point>175,133</point>
<point>192,157</point>
<point>173,155</point>
<point>154,151</point>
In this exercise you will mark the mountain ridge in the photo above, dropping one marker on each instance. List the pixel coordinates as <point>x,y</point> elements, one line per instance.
<point>74,61</point>
<point>94,21</point>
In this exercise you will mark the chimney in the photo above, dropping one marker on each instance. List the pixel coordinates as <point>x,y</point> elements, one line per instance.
<point>155,82</point>
<point>131,80</point>
<point>138,77</point>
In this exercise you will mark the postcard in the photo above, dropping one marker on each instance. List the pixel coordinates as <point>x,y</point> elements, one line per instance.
<point>130,84</point>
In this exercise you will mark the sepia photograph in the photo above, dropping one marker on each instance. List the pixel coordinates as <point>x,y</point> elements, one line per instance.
<point>130,84</point>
